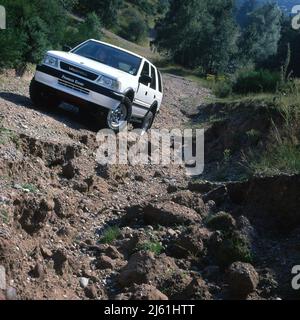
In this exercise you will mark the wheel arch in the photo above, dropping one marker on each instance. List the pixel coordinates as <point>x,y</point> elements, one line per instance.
<point>129,93</point>
<point>154,107</point>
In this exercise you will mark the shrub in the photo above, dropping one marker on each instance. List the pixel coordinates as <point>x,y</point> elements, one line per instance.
<point>152,246</point>
<point>133,27</point>
<point>221,221</point>
<point>256,81</point>
<point>223,89</point>
<point>30,31</point>
<point>110,235</point>
<point>89,29</point>
<point>231,247</point>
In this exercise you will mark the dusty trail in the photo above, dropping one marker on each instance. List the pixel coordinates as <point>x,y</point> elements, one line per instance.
<point>47,160</point>
<point>71,229</point>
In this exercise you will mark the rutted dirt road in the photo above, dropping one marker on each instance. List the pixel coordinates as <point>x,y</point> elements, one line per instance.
<point>71,229</point>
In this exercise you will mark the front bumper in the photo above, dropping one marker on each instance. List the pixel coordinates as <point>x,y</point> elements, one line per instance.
<point>73,89</point>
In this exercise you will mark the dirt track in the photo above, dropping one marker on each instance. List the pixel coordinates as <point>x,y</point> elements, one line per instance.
<point>72,229</point>
<point>33,155</point>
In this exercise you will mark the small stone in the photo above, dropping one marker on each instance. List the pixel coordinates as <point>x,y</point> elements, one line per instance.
<point>38,271</point>
<point>46,253</point>
<point>91,292</point>
<point>171,232</point>
<point>84,282</point>
<point>105,262</point>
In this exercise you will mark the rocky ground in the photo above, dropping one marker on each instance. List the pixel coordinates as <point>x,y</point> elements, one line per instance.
<point>72,229</point>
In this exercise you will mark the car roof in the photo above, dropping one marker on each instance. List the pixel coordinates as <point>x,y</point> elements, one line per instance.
<point>116,47</point>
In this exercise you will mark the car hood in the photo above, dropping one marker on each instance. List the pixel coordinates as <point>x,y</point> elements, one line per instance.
<point>92,65</point>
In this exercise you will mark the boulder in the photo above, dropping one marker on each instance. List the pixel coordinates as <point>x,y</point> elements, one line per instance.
<point>242,279</point>
<point>189,243</point>
<point>143,268</point>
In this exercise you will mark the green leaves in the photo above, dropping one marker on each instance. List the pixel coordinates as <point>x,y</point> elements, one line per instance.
<point>199,34</point>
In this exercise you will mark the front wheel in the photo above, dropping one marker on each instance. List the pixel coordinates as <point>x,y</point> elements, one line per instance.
<point>118,119</point>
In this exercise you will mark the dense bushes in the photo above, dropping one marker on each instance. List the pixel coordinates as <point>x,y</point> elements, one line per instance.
<point>132,26</point>
<point>256,81</point>
<point>37,26</point>
<point>30,30</point>
<point>248,81</point>
<point>90,29</point>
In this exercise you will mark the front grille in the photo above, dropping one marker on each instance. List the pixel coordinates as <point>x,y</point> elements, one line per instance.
<point>78,71</point>
<point>73,87</point>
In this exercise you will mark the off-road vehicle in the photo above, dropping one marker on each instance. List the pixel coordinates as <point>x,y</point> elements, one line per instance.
<point>114,84</point>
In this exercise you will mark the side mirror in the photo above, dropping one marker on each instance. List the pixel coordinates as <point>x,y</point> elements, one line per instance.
<point>144,79</point>
<point>67,48</point>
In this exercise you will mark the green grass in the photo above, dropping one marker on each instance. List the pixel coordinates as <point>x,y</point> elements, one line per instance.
<point>152,246</point>
<point>7,135</point>
<point>110,235</point>
<point>280,158</point>
<point>4,216</point>
<point>144,51</point>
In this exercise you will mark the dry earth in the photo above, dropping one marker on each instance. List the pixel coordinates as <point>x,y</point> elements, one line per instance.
<point>72,229</point>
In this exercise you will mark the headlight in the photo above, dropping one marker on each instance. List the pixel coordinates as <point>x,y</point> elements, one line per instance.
<point>51,61</point>
<point>109,83</point>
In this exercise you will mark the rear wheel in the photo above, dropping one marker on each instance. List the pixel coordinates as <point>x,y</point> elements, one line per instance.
<point>40,98</point>
<point>147,122</point>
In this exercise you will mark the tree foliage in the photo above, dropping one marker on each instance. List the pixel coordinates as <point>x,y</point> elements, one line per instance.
<point>199,33</point>
<point>261,36</point>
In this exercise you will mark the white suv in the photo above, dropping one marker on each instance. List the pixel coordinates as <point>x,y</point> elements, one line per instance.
<point>114,84</point>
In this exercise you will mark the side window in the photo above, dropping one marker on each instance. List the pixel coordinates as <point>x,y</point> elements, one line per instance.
<point>146,71</point>
<point>153,75</point>
<point>159,82</point>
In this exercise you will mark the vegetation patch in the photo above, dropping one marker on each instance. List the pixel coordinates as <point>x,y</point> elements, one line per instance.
<point>110,235</point>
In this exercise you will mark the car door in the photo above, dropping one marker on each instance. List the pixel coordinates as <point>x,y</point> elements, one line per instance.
<point>156,86</point>
<point>143,98</point>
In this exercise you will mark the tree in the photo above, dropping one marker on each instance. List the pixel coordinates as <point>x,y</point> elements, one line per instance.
<point>31,31</point>
<point>260,39</point>
<point>107,10</point>
<point>134,27</point>
<point>199,34</point>
<point>244,11</point>
<point>89,29</point>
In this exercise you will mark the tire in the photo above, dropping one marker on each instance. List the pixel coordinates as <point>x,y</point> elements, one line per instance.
<point>118,119</point>
<point>40,98</point>
<point>147,122</point>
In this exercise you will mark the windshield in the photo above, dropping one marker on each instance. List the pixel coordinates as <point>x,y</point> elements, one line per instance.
<point>110,56</point>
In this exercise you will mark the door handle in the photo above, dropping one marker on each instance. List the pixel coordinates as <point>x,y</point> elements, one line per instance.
<point>146,93</point>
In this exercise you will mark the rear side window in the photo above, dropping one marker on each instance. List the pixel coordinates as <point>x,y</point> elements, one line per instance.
<point>159,82</point>
<point>146,71</point>
<point>153,75</point>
